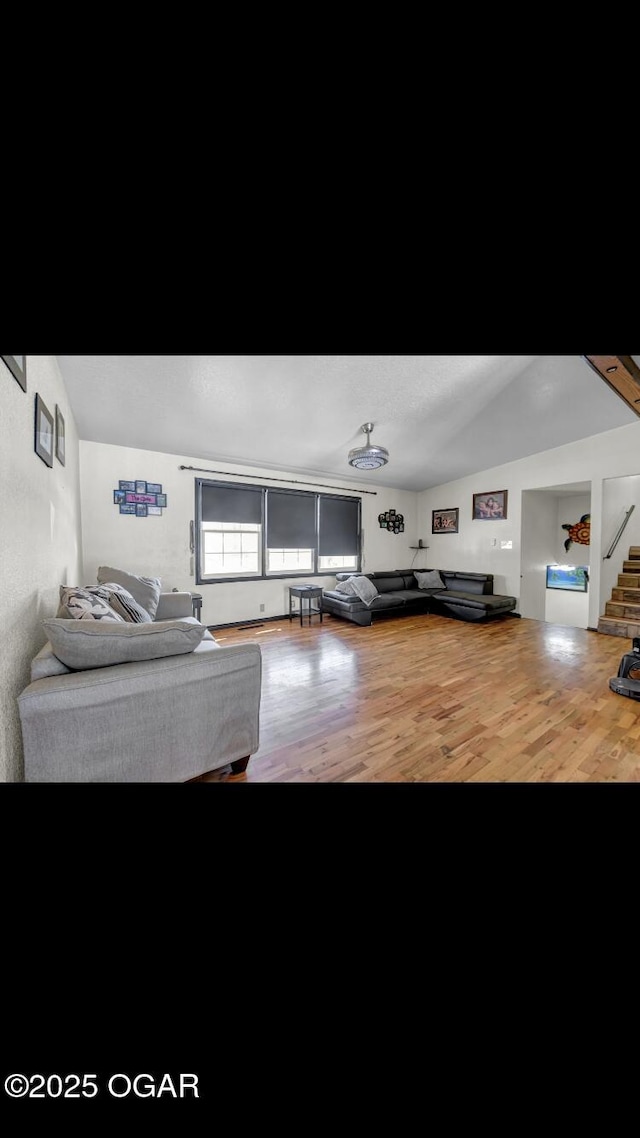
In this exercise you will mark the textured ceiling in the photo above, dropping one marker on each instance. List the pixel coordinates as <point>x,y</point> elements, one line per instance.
<point>440,417</point>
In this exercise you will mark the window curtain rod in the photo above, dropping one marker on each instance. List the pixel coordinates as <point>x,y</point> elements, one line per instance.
<point>264,478</point>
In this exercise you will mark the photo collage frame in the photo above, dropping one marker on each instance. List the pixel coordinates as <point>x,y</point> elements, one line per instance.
<point>140,499</point>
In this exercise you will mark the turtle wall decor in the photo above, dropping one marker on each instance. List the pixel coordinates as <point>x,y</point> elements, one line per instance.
<point>580,532</point>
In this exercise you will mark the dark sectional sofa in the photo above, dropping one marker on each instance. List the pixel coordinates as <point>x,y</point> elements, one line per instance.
<point>467,595</point>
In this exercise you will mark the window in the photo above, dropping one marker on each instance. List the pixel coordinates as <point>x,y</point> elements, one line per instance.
<point>230,531</point>
<point>231,549</point>
<point>297,560</point>
<point>338,533</point>
<point>257,532</point>
<point>339,563</point>
<point>291,531</point>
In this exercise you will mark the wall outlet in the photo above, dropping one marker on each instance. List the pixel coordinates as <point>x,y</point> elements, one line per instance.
<point>261,608</point>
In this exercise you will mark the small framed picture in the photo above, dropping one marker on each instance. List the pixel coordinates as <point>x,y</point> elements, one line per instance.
<point>118,497</point>
<point>161,499</point>
<point>490,506</point>
<point>141,509</point>
<point>127,486</point>
<point>18,367</point>
<point>59,435</point>
<point>43,443</point>
<point>154,487</point>
<point>127,508</point>
<point>392,514</point>
<point>444,521</point>
<point>154,511</point>
<point>141,487</point>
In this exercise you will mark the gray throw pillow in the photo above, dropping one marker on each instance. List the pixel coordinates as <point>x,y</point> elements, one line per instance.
<point>95,644</point>
<point>144,590</point>
<point>345,587</point>
<point>429,579</point>
<point>90,604</point>
<point>365,589</point>
<point>123,603</point>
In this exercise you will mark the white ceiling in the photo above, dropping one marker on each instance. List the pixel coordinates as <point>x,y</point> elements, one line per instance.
<point>440,417</point>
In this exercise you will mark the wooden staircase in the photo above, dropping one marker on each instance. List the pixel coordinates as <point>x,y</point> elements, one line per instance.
<point>622,612</point>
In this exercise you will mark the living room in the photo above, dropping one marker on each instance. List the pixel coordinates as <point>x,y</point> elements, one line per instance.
<point>63,521</point>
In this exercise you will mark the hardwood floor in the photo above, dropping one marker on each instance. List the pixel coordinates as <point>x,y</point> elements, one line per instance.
<point>431,699</point>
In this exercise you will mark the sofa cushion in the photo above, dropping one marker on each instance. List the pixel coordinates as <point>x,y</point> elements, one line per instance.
<point>429,579</point>
<point>87,604</point>
<point>488,602</point>
<point>46,663</point>
<point>468,582</point>
<point>391,583</point>
<point>144,590</point>
<point>95,644</point>
<point>365,589</point>
<point>409,580</point>
<point>387,601</point>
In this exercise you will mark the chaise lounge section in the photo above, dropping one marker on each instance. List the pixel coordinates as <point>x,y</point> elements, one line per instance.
<point>468,596</point>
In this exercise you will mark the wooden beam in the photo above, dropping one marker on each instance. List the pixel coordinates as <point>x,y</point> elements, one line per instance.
<point>624,380</point>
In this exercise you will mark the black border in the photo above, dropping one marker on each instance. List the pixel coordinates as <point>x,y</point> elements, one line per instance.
<point>448,510</point>
<point>59,420</point>
<point>17,372</point>
<point>488,494</point>
<point>41,409</point>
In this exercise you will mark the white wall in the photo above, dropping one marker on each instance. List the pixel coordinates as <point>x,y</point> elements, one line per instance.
<point>538,538</point>
<point>564,607</point>
<point>609,455</point>
<point>159,546</point>
<point>41,537</point>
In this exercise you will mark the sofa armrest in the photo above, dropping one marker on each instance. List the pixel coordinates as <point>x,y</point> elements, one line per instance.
<point>165,720</point>
<point>172,606</point>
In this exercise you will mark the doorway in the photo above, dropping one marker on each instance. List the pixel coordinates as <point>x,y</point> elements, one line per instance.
<point>545,511</point>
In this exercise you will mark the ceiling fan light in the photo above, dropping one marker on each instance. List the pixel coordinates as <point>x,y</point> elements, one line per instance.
<point>368,457</point>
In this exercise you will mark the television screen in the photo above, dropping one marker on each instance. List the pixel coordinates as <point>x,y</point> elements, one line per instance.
<point>575,578</point>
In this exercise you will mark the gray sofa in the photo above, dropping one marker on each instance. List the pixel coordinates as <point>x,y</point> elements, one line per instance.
<point>468,596</point>
<point>164,720</point>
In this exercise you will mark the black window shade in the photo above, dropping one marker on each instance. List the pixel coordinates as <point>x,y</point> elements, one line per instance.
<point>291,520</point>
<point>339,530</point>
<point>231,504</point>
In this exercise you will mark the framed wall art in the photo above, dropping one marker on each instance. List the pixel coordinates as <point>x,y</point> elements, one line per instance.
<point>490,506</point>
<point>18,367</point>
<point>390,520</point>
<point>43,442</point>
<point>445,521</point>
<point>59,436</point>
<point>139,498</point>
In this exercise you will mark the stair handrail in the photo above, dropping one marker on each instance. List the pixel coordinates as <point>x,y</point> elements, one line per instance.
<point>619,533</point>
